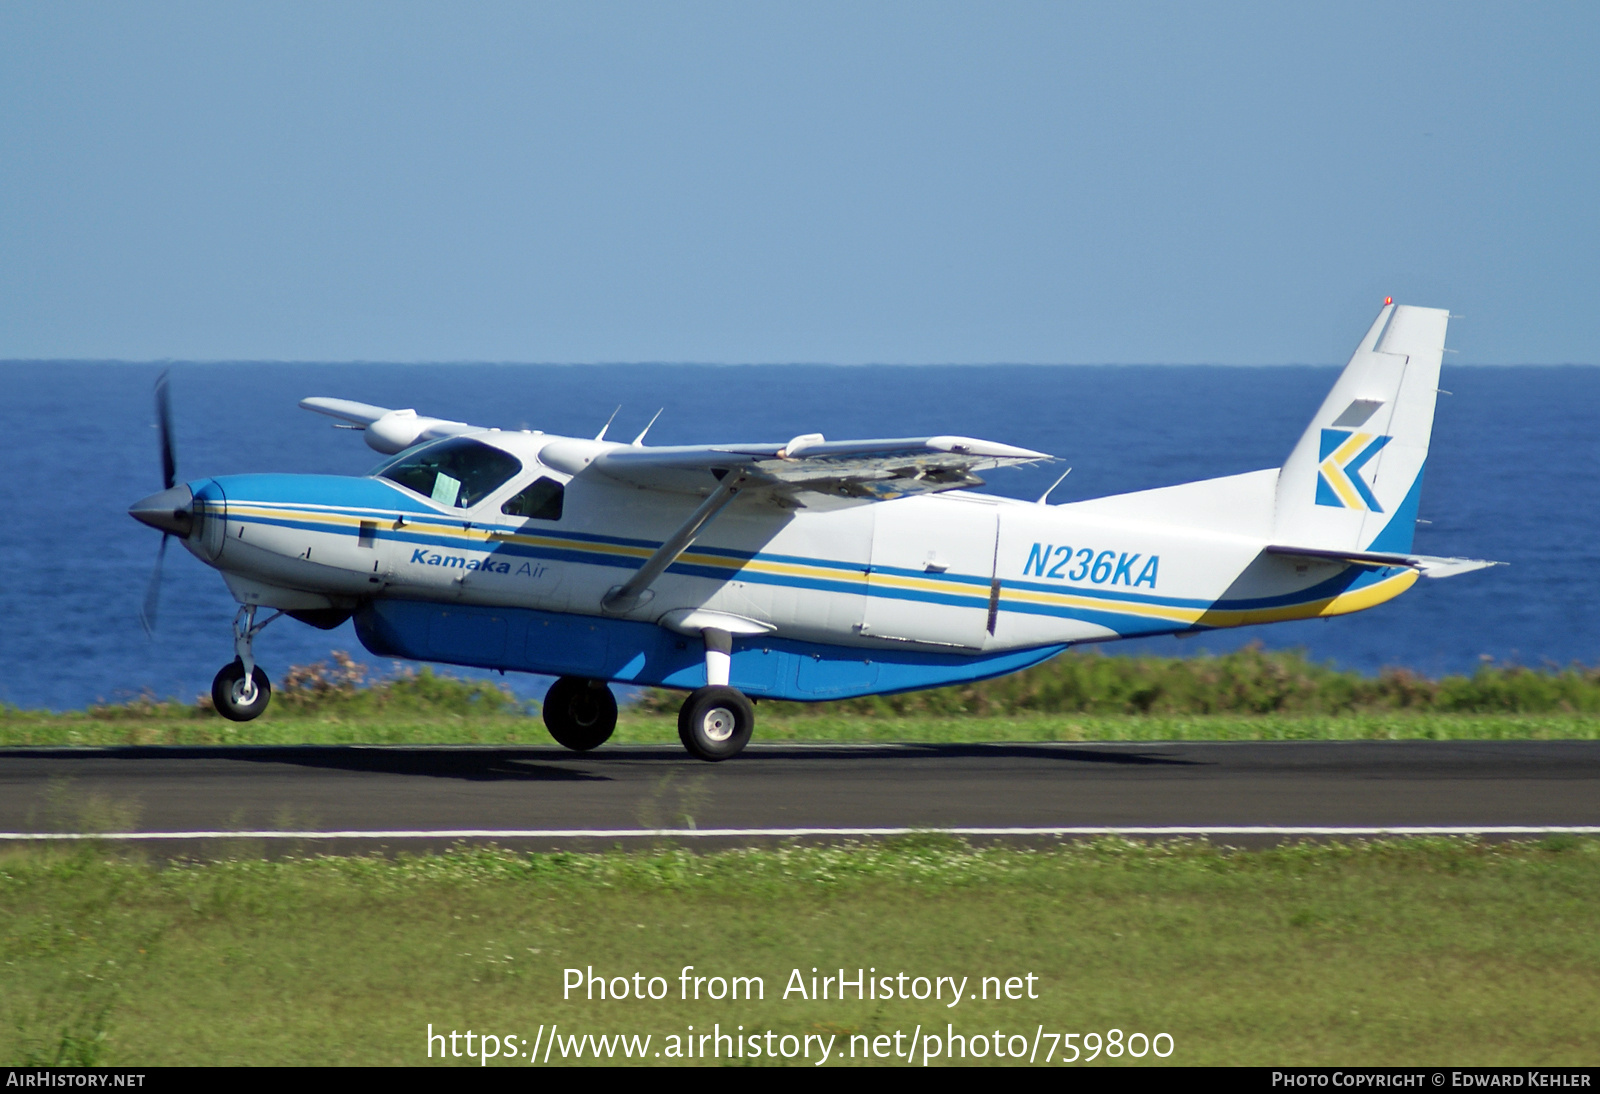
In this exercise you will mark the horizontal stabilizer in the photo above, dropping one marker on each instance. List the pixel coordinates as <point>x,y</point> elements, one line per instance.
<point>1426,565</point>
<point>1433,566</point>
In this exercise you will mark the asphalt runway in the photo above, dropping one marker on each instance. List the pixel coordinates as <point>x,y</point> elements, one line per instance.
<point>419,796</point>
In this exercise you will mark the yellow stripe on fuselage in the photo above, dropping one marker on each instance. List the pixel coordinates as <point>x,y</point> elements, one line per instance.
<point>437,525</point>
<point>447,528</point>
<point>777,569</point>
<point>1354,601</point>
<point>1340,604</point>
<point>1170,613</point>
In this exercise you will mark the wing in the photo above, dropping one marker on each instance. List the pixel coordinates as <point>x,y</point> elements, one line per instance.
<point>388,431</point>
<point>875,470</point>
<point>872,469</point>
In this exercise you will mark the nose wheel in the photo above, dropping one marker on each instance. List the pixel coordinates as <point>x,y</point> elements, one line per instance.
<point>241,690</point>
<point>238,697</point>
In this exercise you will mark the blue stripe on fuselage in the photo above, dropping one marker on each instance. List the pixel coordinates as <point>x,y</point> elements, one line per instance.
<point>324,493</point>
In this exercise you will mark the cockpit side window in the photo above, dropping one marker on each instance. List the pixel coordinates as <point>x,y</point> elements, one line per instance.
<point>539,500</point>
<point>458,471</point>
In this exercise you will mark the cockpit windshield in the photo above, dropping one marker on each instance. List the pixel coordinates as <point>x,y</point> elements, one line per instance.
<point>457,471</point>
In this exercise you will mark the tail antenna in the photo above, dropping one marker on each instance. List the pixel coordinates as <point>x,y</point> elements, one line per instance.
<point>600,436</point>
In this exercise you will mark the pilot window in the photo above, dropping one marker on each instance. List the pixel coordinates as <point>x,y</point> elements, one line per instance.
<point>539,500</point>
<point>459,471</point>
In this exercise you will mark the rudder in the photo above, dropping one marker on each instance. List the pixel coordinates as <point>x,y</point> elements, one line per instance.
<point>1354,479</point>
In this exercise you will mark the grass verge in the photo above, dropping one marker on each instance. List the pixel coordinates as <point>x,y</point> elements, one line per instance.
<point>1249,694</point>
<point>1391,952</point>
<point>411,727</point>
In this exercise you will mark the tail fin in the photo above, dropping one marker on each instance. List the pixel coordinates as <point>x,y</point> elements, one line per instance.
<point>1354,480</point>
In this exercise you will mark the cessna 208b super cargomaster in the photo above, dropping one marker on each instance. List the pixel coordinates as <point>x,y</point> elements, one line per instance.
<point>805,570</point>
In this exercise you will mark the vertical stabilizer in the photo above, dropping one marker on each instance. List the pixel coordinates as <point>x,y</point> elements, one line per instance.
<point>1353,480</point>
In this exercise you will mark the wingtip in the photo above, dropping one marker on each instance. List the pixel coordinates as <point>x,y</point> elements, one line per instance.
<point>972,446</point>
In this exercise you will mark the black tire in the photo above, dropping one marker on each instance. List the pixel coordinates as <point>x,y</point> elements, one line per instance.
<point>715,722</point>
<point>227,692</point>
<point>580,714</point>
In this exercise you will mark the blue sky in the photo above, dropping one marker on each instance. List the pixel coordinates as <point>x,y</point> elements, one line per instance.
<point>923,182</point>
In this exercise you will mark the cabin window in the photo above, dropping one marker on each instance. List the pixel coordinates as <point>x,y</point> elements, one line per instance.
<point>539,500</point>
<point>459,471</point>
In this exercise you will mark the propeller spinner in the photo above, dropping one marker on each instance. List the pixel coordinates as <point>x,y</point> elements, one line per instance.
<point>171,510</point>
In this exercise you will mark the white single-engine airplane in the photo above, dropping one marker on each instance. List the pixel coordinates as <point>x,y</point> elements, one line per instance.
<point>806,570</point>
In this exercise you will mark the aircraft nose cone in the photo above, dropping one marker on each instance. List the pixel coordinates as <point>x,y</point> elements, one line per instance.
<point>171,510</point>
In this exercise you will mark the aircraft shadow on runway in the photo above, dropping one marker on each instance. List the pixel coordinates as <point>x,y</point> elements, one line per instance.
<point>544,764</point>
<point>512,763</point>
<point>473,764</point>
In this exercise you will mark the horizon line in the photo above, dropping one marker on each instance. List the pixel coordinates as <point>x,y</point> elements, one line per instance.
<point>168,362</point>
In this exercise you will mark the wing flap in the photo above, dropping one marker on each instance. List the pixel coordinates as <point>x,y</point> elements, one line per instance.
<point>874,469</point>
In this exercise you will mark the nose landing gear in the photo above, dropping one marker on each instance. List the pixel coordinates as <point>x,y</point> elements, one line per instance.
<point>241,690</point>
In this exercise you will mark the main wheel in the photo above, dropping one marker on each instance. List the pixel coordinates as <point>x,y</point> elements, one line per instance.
<point>715,722</point>
<point>579,713</point>
<point>236,698</point>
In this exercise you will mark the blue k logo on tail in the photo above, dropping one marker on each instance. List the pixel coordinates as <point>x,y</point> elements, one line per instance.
<point>1342,454</point>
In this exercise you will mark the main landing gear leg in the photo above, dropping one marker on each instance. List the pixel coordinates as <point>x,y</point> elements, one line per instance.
<point>715,722</point>
<point>241,690</point>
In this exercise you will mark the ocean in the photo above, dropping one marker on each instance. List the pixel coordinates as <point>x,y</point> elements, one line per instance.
<point>1512,475</point>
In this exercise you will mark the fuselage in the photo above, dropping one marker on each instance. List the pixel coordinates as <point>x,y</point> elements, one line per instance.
<point>875,595</point>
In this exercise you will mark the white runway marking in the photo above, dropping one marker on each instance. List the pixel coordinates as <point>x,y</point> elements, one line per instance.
<point>724,833</point>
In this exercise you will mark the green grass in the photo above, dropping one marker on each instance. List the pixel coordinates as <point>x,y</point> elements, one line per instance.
<point>1399,952</point>
<point>1249,694</point>
<point>776,724</point>
<point>1395,726</point>
<point>1247,681</point>
<point>1396,952</point>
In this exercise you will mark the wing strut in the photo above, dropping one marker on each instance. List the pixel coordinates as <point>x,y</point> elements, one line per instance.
<point>628,596</point>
